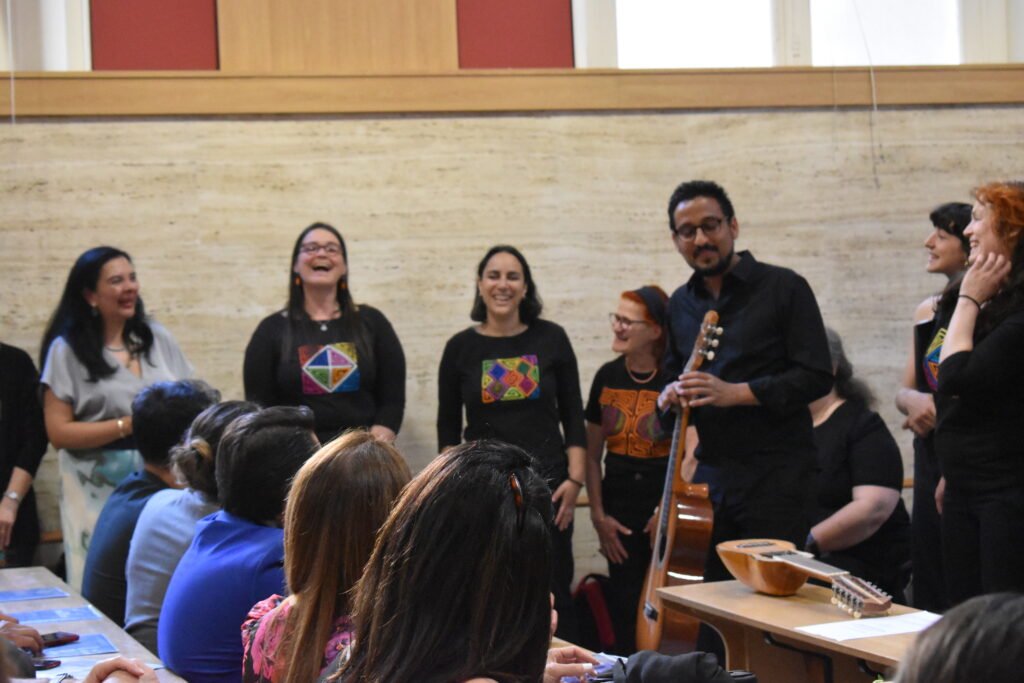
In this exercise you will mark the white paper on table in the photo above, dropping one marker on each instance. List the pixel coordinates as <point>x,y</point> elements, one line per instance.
<point>873,627</point>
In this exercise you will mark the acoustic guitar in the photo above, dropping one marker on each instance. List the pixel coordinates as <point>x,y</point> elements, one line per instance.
<point>778,568</point>
<point>683,532</point>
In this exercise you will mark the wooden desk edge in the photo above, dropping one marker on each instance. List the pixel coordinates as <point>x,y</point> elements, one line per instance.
<point>677,597</point>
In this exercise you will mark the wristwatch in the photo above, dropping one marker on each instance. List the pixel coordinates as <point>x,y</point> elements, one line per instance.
<point>13,495</point>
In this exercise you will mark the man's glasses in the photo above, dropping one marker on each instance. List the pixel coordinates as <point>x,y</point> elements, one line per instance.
<point>618,321</point>
<point>312,248</point>
<point>709,226</point>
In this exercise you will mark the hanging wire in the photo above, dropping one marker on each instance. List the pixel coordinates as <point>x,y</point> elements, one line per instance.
<point>874,95</point>
<point>10,55</point>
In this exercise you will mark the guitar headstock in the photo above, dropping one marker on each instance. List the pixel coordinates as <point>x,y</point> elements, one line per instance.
<point>858,597</point>
<point>707,341</point>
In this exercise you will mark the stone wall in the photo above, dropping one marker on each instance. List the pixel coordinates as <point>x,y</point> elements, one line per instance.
<point>209,210</point>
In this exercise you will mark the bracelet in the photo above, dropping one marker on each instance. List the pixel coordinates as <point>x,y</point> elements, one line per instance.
<point>120,427</point>
<point>578,483</point>
<point>971,299</point>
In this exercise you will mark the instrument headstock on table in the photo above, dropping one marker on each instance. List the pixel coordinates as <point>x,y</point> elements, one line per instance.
<point>706,343</point>
<point>778,568</point>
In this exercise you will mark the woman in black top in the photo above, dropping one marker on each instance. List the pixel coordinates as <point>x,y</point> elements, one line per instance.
<point>324,351</point>
<point>860,522</point>
<point>979,435</point>
<point>516,377</point>
<point>22,446</point>
<point>622,414</point>
<point>947,255</point>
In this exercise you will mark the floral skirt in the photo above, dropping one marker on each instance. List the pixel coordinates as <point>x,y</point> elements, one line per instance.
<point>87,478</point>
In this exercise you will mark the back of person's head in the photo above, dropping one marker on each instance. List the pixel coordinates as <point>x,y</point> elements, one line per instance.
<point>458,583</point>
<point>979,640</point>
<point>847,386</point>
<point>338,501</point>
<point>162,412</point>
<point>196,456</point>
<point>259,453</point>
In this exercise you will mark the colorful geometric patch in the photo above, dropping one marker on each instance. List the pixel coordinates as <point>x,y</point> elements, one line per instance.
<point>510,379</point>
<point>329,369</point>
<point>630,424</point>
<point>931,359</point>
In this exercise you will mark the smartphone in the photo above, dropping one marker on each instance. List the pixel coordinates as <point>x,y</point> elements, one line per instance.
<point>58,638</point>
<point>40,664</point>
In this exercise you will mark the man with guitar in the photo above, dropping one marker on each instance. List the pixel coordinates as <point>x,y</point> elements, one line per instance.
<point>749,402</point>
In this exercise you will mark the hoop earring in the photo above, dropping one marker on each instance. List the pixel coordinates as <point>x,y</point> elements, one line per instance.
<point>342,285</point>
<point>298,281</point>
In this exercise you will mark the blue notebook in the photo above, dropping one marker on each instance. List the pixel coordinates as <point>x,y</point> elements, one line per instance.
<point>32,594</point>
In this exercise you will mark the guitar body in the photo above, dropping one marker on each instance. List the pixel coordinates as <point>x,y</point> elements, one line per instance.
<point>689,528</point>
<point>682,535</point>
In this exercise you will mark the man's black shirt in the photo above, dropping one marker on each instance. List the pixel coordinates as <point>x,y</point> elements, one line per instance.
<point>774,339</point>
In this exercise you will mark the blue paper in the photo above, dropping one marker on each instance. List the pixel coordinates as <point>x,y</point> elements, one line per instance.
<point>46,616</point>
<point>32,594</point>
<point>89,644</point>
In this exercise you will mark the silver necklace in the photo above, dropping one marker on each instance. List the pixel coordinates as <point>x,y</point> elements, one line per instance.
<point>637,379</point>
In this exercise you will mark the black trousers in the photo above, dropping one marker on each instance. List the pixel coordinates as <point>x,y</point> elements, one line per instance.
<point>982,535</point>
<point>755,502</point>
<point>929,584</point>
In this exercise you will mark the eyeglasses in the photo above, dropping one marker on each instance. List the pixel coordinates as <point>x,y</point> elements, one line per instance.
<point>517,496</point>
<point>709,226</point>
<point>618,321</point>
<point>330,249</point>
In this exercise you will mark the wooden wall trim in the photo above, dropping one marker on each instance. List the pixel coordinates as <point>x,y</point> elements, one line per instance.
<point>218,94</point>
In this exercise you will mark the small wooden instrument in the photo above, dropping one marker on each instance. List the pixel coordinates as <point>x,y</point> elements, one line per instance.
<point>683,532</point>
<point>778,568</point>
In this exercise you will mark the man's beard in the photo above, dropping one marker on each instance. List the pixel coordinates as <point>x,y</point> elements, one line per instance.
<point>719,268</point>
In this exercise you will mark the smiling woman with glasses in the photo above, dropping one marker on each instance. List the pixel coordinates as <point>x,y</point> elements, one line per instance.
<point>324,351</point>
<point>622,418</point>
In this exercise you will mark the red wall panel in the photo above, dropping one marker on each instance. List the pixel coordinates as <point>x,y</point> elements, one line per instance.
<point>519,34</point>
<point>153,34</point>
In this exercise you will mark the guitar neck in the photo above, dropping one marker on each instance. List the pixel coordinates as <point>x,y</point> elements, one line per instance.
<point>809,565</point>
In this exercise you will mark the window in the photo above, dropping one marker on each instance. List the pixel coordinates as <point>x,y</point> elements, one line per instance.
<point>883,32</point>
<point>693,34</point>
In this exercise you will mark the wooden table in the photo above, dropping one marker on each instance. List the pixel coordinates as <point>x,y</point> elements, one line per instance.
<point>760,636</point>
<point>40,577</point>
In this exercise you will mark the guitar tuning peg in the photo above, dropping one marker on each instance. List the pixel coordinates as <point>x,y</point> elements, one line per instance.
<point>719,330</point>
<point>710,355</point>
<point>714,343</point>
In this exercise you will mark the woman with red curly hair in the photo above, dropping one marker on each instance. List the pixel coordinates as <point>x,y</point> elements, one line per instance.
<point>979,435</point>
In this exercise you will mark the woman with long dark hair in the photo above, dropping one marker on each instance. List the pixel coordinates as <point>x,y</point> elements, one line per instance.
<point>979,403</point>
<point>622,415</point>
<point>515,375</point>
<point>338,501</point>
<point>341,359</point>
<point>99,350</point>
<point>457,586</point>
<point>947,256</point>
<point>860,522</point>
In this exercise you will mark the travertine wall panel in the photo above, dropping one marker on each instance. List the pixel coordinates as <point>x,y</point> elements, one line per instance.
<point>209,210</point>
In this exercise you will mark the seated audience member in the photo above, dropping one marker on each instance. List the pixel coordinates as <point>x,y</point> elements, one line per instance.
<point>237,555</point>
<point>338,501</point>
<point>22,446</point>
<point>861,524</point>
<point>167,523</point>
<point>160,415</point>
<point>457,587</point>
<point>982,639</point>
<point>17,641</point>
